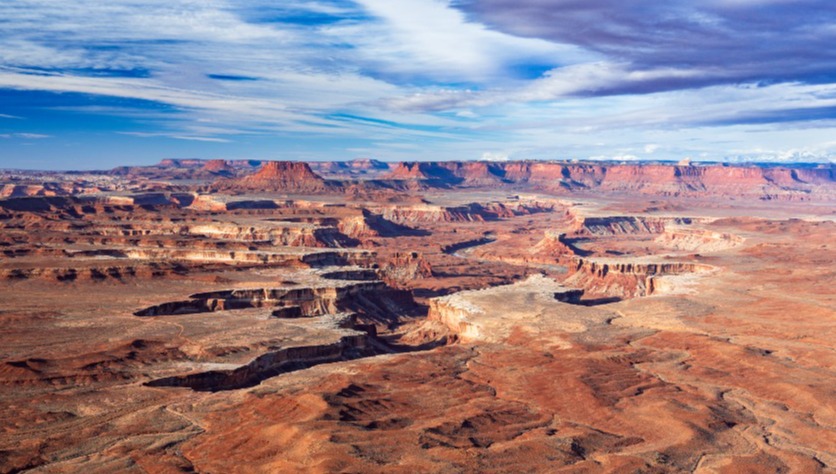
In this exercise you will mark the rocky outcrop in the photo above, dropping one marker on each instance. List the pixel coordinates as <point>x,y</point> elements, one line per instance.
<point>473,212</point>
<point>457,315</point>
<point>489,314</point>
<point>372,301</point>
<point>219,167</point>
<point>284,176</point>
<point>621,225</point>
<point>187,169</point>
<point>32,190</point>
<point>364,178</point>
<point>271,364</point>
<point>402,267</point>
<point>624,278</point>
<point>289,257</point>
<point>685,179</point>
<point>279,176</point>
<point>698,240</point>
<point>96,273</point>
<point>283,234</point>
<point>357,227</point>
<point>555,244</point>
<point>423,171</point>
<point>312,301</point>
<point>461,173</point>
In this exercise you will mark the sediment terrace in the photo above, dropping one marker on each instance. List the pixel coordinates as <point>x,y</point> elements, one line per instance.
<point>491,314</point>
<point>271,364</point>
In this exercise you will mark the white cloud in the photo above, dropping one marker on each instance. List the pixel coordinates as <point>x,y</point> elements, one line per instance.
<point>24,135</point>
<point>494,156</point>
<point>202,139</point>
<point>574,80</point>
<point>430,38</point>
<point>625,157</point>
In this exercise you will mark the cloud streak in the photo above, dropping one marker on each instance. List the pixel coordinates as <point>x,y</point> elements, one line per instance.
<point>24,135</point>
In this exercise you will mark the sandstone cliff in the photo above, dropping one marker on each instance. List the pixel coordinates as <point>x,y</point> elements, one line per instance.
<point>280,176</point>
<point>779,182</point>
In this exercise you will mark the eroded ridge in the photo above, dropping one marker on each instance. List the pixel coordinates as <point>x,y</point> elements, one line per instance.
<point>353,310</point>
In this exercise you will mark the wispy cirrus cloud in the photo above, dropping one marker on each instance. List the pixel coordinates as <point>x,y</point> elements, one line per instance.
<point>24,135</point>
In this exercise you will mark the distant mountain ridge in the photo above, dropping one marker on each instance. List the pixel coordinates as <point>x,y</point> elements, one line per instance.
<point>763,181</point>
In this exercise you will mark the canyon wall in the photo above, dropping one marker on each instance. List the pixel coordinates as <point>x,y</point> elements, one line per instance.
<point>779,182</point>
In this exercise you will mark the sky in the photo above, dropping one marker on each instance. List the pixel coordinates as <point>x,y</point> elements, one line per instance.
<point>90,84</point>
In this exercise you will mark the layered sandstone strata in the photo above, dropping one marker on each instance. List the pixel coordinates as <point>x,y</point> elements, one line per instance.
<point>279,176</point>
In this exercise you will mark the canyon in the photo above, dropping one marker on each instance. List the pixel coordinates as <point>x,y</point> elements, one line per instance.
<point>367,316</point>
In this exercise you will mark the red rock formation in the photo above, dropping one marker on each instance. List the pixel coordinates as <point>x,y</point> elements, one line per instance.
<point>472,212</point>
<point>367,164</point>
<point>643,178</point>
<point>216,166</point>
<point>284,171</point>
<point>282,176</point>
<point>402,267</point>
<point>517,171</point>
<point>464,173</point>
<point>407,171</point>
<point>479,173</point>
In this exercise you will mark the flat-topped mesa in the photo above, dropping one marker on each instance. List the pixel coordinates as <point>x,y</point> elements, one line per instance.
<point>471,212</point>
<point>29,190</point>
<point>441,173</point>
<point>478,173</point>
<point>764,182</point>
<point>313,301</point>
<point>535,304</point>
<point>462,173</point>
<point>368,163</point>
<point>285,172</point>
<point>629,225</point>
<point>217,166</point>
<point>286,176</point>
<point>408,170</point>
<point>623,278</point>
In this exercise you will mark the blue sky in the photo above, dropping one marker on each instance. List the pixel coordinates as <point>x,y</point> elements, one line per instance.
<point>92,84</point>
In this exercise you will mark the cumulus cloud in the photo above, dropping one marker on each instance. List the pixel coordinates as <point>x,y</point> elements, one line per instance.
<point>428,38</point>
